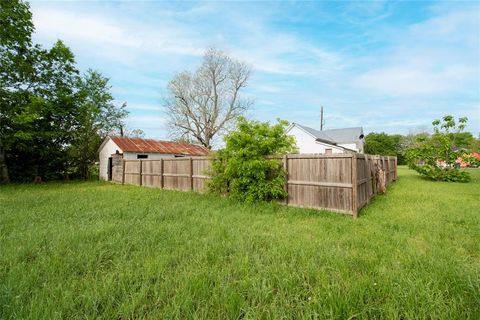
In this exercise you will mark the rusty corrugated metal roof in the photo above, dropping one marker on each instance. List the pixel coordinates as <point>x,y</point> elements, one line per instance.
<point>158,146</point>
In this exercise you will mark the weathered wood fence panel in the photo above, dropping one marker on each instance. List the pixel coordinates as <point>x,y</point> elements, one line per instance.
<point>320,182</point>
<point>132,172</point>
<point>343,182</point>
<point>201,166</point>
<point>176,174</point>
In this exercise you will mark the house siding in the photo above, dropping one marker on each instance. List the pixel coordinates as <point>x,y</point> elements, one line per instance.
<point>353,146</point>
<point>308,145</point>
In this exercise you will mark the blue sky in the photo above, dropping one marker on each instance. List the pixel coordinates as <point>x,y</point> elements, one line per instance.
<point>387,66</point>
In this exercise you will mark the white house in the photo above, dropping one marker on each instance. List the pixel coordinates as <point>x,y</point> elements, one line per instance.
<point>327,141</point>
<point>137,148</point>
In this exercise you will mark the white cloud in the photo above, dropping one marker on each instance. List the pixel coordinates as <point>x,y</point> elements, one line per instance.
<point>120,39</point>
<point>285,54</point>
<point>76,25</point>
<point>424,61</point>
<point>367,12</point>
<point>410,79</point>
<point>455,25</point>
<point>129,41</point>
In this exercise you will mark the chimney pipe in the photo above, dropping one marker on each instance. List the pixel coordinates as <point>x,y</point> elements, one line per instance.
<point>321,118</point>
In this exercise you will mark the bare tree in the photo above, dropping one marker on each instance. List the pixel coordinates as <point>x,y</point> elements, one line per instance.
<point>135,133</point>
<point>203,103</point>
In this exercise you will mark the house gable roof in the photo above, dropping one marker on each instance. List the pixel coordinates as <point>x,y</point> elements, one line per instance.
<point>318,135</point>
<point>140,145</point>
<point>335,136</point>
<point>344,135</point>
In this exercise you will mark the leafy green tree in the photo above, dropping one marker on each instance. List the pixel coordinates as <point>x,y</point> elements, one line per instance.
<point>51,120</point>
<point>429,153</point>
<point>40,115</point>
<point>385,144</point>
<point>475,144</point>
<point>16,28</point>
<point>39,109</point>
<point>98,116</point>
<point>463,140</point>
<point>445,138</point>
<point>412,139</point>
<point>242,168</point>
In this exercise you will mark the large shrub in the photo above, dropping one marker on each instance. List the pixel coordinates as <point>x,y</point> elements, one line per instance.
<point>443,174</point>
<point>435,156</point>
<point>243,169</point>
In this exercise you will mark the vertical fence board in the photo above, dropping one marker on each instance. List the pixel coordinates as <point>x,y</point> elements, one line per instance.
<point>285,169</point>
<point>354,186</point>
<point>201,166</point>
<point>140,173</point>
<point>191,173</point>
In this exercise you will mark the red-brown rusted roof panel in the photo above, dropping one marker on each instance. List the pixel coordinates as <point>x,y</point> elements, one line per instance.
<point>157,146</point>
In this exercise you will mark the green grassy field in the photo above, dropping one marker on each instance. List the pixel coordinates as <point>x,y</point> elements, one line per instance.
<point>97,250</point>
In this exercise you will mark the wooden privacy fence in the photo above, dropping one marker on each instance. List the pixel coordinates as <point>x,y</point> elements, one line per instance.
<point>341,182</point>
<point>167,173</point>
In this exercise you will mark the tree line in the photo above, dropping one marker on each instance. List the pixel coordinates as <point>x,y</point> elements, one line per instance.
<point>52,117</point>
<point>398,145</point>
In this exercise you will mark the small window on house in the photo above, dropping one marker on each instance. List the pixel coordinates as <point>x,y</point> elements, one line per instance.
<point>179,155</point>
<point>142,156</point>
<point>328,151</point>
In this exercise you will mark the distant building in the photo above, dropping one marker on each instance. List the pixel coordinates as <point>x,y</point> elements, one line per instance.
<point>114,148</point>
<point>330,141</point>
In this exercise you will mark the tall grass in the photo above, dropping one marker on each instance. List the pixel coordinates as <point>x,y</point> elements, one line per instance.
<point>97,250</point>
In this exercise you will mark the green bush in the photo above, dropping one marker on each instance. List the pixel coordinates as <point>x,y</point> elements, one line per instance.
<point>439,148</point>
<point>242,169</point>
<point>442,174</point>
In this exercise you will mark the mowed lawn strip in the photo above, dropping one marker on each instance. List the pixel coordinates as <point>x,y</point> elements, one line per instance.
<point>97,250</point>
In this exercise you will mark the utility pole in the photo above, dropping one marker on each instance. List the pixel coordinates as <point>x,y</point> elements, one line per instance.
<point>321,119</point>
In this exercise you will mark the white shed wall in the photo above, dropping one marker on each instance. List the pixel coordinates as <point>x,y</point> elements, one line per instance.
<point>307,143</point>
<point>106,152</point>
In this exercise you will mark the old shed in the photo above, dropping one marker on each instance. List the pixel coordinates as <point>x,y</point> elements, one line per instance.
<point>115,149</point>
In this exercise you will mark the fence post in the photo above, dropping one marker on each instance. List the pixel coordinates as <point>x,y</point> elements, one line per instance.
<point>161,173</point>
<point>387,178</point>
<point>140,173</point>
<point>123,171</point>
<point>368,177</point>
<point>285,168</point>
<point>396,168</point>
<point>354,186</point>
<point>191,173</point>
